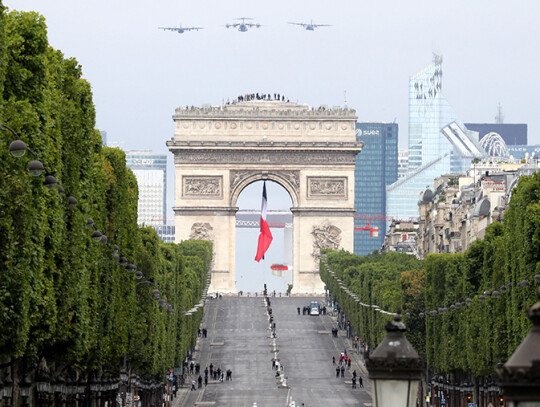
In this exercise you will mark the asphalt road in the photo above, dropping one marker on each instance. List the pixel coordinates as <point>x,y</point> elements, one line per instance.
<point>240,339</point>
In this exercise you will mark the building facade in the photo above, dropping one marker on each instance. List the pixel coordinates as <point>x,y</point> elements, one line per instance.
<point>401,237</point>
<point>519,152</point>
<point>403,163</point>
<point>151,172</point>
<point>460,208</point>
<point>375,169</point>
<point>165,232</point>
<point>439,143</point>
<point>514,134</point>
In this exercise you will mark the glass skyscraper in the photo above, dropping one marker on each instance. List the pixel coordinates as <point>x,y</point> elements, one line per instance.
<point>376,167</point>
<point>151,172</point>
<point>439,143</point>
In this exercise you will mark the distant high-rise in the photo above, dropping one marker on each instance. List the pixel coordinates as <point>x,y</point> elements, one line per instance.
<point>403,163</point>
<point>151,172</point>
<point>439,143</point>
<point>103,134</point>
<point>376,167</point>
<point>513,134</point>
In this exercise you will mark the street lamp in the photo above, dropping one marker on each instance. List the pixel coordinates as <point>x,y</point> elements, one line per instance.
<point>96,235</point>
<point>35,168</point>
<point>519,378</point>
<point>8,387</point>
<point>395,368</point>
<point>17,148</point>
<point>43,386</point>
<point>26,388</point>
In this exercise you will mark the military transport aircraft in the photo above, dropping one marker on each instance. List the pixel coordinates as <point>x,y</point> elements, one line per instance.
<point>310,26</point>
<point>243,26</point>
<point>180,30</point>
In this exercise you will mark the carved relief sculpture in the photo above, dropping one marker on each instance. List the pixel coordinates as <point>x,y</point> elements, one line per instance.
<point>202,231</point>
<point>202,187</point>
<point>283,157</point>
<point>325,236</point>
<point>327,187</point>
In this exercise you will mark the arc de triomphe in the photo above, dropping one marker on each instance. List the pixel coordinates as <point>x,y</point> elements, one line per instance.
<point>218,151</point>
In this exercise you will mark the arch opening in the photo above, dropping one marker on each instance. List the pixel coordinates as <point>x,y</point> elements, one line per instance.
<point>276,268</point>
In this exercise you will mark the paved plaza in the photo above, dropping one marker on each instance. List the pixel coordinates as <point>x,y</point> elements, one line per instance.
<point>240,339</point>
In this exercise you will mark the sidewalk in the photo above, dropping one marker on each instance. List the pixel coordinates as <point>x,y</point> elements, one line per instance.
<point>358,363</point>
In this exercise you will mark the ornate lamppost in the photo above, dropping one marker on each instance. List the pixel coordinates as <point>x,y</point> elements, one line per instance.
<point>395,368</point>
<point>8,388</point>
<point>43,386</point>
<point>25,387</point>
<point>519,378</point>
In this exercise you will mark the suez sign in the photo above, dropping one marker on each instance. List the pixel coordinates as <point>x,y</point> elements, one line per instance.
<point>360,132</point>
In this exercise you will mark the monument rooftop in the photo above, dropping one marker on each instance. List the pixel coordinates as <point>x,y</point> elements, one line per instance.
<point>264,109</point>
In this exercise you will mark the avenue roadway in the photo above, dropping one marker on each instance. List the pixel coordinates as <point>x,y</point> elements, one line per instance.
<point>240,339</point>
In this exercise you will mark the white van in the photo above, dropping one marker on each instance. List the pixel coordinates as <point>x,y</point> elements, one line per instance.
<point>314,308</point>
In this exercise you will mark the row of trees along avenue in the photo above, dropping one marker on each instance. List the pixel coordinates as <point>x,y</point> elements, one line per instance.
<point>465,312</point>
<point>66,306</point>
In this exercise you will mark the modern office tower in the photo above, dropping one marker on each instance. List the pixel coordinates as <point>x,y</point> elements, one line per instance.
<point>513,134</point>
<point>402,163</point>
<point>439,143</point>
<point>376,168</point>
<point>165,232</point>
<point>103,134</point>
<point>151,172</point>
<point>520,152</point>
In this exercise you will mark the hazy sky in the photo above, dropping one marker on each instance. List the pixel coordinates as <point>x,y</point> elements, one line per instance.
<point>140,74</point>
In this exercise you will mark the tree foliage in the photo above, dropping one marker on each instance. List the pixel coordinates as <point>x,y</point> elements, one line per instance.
<point>388,280</point>
<point>62,296</point>
<point>472,329</point>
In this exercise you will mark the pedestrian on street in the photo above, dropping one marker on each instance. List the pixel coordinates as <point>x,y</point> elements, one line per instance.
<point>337,371</point>
<point>193,385</point>
<point>342,371</point>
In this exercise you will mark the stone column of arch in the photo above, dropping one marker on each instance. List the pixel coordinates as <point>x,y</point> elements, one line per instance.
<point>218,151</point>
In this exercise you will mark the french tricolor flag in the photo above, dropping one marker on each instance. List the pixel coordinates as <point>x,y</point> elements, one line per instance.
<point>265,236</point>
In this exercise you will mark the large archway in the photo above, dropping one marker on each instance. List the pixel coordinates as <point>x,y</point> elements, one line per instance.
<point>276,268</point>
<point>218,151</point>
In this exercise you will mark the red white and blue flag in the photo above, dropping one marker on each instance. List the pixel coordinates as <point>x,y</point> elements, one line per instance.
<point>265,236</point>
